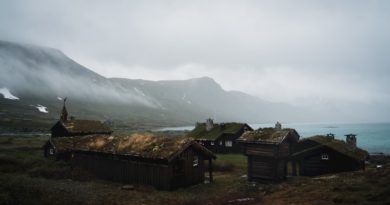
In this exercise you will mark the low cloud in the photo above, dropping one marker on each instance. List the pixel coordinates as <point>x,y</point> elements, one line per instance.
<point>307,53</point>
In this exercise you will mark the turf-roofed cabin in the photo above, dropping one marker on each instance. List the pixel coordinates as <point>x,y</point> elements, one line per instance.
<point>324,154</point>
<point>268,151</point>
<point>71,127</point>
<point>164,162</point>
<point>219,138</point>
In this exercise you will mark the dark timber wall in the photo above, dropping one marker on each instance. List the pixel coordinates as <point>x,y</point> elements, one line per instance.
<point>222,148</point>
<point>267,161</point>
<point>125,171</point>
<point>184,172</point>
<point>220,143</point>
<point>312,163</point>
<point>59,131</point>
<point>181,172</point>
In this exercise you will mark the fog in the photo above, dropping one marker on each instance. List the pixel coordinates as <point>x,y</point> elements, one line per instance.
<point>30,71</point>
<point>322,55</point>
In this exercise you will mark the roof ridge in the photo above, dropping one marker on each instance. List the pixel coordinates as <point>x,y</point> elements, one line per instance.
<point>136,145</point>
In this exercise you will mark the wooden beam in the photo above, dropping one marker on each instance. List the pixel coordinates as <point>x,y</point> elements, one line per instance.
<point>294,168</point>
<point>211,170</point>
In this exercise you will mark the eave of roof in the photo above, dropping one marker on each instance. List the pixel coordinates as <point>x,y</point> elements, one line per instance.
<point>267,136</point>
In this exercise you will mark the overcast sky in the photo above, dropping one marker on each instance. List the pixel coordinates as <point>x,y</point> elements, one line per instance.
<point>301,52</point>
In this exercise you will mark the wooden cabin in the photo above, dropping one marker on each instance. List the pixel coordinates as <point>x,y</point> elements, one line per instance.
<point>324,154</point>
<point>219,138</point>
<point>164,162</point>
<point>268,151</point>
<point>71,127</point>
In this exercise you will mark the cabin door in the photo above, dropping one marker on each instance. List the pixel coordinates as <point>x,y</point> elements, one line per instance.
<point>179,174</point>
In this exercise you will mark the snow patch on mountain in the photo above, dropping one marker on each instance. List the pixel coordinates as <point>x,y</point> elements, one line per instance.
<point>139,91</point>
<point>184,98</point>
<point>7,94</point>
<point>41,108</point>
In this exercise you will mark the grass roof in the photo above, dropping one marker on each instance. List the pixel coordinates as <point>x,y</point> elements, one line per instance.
<point>200,132</point>
<point>268,135</point>
<point>335,144</point>
<point>85,126</point>
<point>139,145</point>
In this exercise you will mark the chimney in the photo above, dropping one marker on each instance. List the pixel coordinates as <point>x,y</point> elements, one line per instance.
<point>330,136</point>
<point>278,126</point>
<point>350,139</point>
<point>209,124</point>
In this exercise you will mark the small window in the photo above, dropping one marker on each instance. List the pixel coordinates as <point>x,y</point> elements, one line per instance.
<point>324,157</point>
<point>51,151</point>
<point>211,143</point>
<point>220,142</point>
<point>228,144</point>
<point>195,163</point>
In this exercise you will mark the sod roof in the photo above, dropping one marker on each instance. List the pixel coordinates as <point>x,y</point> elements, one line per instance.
<point>269,135</point>
<point>85,127</point>
<point>335,144</point>
<point>138,145</point>
<point>200,132</point>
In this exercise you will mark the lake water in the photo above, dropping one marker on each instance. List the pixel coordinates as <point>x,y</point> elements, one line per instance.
<point>373,137</point>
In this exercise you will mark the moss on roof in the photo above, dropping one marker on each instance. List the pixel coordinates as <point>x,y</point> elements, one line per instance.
<point>269,135</point>
<point>335,144</point>
<point>200,132</point>
<point>85,126</point>
<point>139,145</point>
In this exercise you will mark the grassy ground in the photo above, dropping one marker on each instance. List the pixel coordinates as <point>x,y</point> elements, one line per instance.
<point>361,187</point>
<point>26,177</point>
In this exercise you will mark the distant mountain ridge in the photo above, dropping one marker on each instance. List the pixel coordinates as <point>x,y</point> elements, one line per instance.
<point>40,75</point>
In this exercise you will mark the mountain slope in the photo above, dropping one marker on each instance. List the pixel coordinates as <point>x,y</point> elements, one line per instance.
<point>41,76</point>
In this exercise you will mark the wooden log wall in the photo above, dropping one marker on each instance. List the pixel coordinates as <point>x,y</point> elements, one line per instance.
<point>312,164</point>
<point>266,150</point>
<point>125,171</point>
<point>261,167</point>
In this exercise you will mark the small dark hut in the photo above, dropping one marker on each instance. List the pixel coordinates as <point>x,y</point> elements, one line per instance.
<point>71,127</point>
<point>324,154</point>
<point>219,138</point>
<point>268,151</point>
<point>164,162</point>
